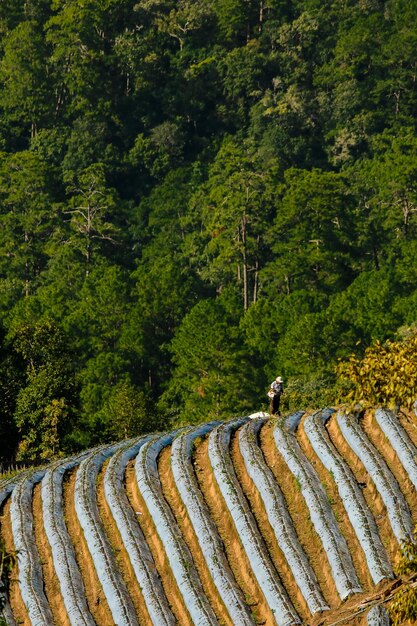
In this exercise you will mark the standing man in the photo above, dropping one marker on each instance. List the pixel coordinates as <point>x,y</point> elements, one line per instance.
<point>275,392</point>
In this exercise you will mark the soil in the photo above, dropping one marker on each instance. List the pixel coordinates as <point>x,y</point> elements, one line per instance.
<point>339,510</point>
<point>300,515</point>
<point>120,553</point>
<point>235,553</point>
<point>266,531</point>
<point>408,421</point>
<point>147,525</point>
<point>179,511</point>
<point>15,597</point>
<point>370,492</point>
<point>381,443</point>
<point>51,583</point>
<point>95,597</point>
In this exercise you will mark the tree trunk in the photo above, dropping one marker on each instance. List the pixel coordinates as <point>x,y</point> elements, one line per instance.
<point>245,264</point>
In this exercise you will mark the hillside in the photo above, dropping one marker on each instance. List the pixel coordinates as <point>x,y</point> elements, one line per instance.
<point>251,521</point>
<point>195,195</point>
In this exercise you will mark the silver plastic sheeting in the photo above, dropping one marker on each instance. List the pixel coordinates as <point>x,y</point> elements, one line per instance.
<point>7,486</point>
<point>63,554</point>
<point>279,517</point>
<point>400,441</point>
<point>177,551</point>
<point>114,588</point>
<point>260,561</point>
<point>322,516</point>
<point>378,616</point>
<point>397,508</point>
<point>30,571</point>
<point>293,421</point>
<point>7,614</point>
<point>204,527</point>
<point>325,414</point>
<point>355,505</point>
<point>133,539</point>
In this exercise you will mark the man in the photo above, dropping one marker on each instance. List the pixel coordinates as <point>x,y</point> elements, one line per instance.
<point>275,392</point>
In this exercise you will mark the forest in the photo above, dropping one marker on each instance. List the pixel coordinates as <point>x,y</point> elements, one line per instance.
<point>196,196</point>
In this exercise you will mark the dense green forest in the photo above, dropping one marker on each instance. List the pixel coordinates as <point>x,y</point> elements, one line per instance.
<point>196,195</point>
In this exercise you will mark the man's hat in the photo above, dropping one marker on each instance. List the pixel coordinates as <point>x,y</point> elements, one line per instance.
<point>278,379</point>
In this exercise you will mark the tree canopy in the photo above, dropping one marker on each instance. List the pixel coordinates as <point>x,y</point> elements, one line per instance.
<point>196,196</point>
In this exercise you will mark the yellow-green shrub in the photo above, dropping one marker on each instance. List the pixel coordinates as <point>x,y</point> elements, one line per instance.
<point>385,375</point>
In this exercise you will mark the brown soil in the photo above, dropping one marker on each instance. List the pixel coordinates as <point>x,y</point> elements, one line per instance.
<point>258,509</point>
<point>51,584</point>
<point>169,583</point>
<point>180,512</point>
<point>339,510</point>
<point>235,553</point>
<point>94,594</point>
<point>300,515</point>
<point>120,553</point>
<point>372,497</point>
<point>380,441</point>
<point>15,597</point>
<point>408,421</point>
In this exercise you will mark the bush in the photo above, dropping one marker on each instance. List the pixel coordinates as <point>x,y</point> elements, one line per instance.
<point>386,375</point>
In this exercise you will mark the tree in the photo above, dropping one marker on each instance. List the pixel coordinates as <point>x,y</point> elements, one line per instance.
<point>90,211</point>
<point>28,218</point>
<point>23,74</point>
<point>128,412</point>
<point>214,376</point>
<point>235,211</point>
<point>45,406</point>
<point>312,234</point>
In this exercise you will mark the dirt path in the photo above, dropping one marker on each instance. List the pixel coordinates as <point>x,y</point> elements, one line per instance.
<point>257,507</point>
<point>169,583</point>
<point>370,492</point>
<point>15,597</point>
<point>51,584</point>
<point>95,597</point>
<point>300,515</point>
<point>180,512</point>
<point>339,510</point>
<point>120,553</point>
<point>235,553</point>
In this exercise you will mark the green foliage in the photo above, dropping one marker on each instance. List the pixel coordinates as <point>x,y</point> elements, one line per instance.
<point>43,412</point>
<point>195,196</point>
<point>128,413</point>
<point>404,605</point>
<point>7,561</point>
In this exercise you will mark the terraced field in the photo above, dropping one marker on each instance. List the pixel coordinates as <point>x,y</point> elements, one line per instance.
<point>252,521</point>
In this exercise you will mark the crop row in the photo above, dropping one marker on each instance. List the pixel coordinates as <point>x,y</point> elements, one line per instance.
<point>358,512</point>
<point>261,564</point>
<point>397,508</point>
<point>204,527</point>
<point>146,451</point>
<point>177,551</point>
<point>132,536</point>
<point>279,516</point>
<point>400,441</point>
<point>86,506</point>
<point>322,516</point>
<point>30,571</point>
<point>63,554</point>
